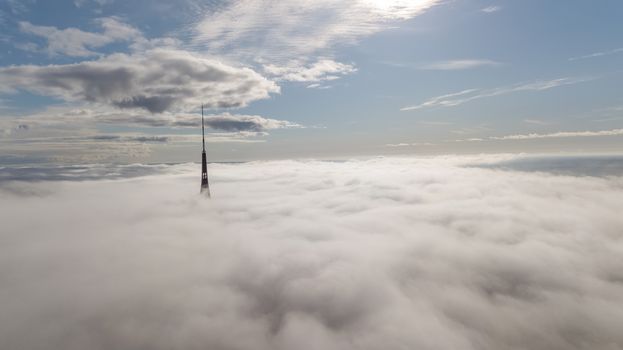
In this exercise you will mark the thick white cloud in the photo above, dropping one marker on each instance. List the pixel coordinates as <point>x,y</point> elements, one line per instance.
<point>377,254</point>
<point>156,81</point>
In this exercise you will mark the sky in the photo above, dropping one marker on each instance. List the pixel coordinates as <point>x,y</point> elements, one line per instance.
<point>401,174</point>
<point>487,252</point>
<point>108,81</point>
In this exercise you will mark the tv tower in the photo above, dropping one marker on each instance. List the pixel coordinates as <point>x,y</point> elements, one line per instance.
<point>205,185</point>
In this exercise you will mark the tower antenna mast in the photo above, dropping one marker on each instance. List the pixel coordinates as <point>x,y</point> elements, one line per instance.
<point>205,185</point>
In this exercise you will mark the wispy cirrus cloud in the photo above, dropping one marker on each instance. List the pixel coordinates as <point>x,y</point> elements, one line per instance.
<point>537,122</point>
<point>289,28</point>
<point>80,3</point>
<point>459,98</point>
<point>443,100</point>
<point>559,134</point>
<point>79,43</point>
<point>460,64</point>
<point>3,18</point>
<point>321,70</point>
<point>597,54</point>
<point>306,31</point>
<point>18,7</point>
<point>491,9</point>
<point>409,144</point>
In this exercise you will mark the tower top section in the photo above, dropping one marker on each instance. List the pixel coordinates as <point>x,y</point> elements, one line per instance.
<point>205,185</point>
<point>203,134</point>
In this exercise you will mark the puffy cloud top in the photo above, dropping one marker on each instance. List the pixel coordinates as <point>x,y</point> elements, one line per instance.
<point>378,254</point>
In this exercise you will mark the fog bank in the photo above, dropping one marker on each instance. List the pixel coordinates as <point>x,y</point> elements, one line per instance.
<point>388,253</point>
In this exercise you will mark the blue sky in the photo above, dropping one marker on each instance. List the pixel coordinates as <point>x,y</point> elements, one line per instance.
<point>113,81</point>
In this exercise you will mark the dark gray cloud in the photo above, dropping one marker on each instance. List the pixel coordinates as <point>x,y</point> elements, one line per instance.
<point>386,253</point>
<point>153,104</point>
<point>228,122</point>
<point>157,139</point>
<point>221,122</point>
<point>123,138</point>
<point>156,81</point>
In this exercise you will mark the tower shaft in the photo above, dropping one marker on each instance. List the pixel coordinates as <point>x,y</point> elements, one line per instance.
<point>205,184</point>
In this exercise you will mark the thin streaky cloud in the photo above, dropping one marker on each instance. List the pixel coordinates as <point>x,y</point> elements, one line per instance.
<point>81,3</point>
<point>536,122</point>
<point>491,9</point>
<point>597,54</point>
<point>459,98</point>
<point>460,64</point>
<point>77,43</point>
<point>559,134</point>
<point>19,7</point>
<point>413,144</point>
<point>440,100</point>
<point>297,71</point>
<point>615,109</point>
<point>434,123</point>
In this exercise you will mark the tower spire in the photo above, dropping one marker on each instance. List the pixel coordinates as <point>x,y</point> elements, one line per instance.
<point>205,185</point>
<point>203,135</point>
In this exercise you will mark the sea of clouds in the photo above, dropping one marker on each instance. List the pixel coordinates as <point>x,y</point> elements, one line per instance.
<point>388,253</point>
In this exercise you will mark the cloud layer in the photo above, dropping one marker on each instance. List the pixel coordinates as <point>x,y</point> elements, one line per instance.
<point>385,253</point>
<point>156,81</point>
